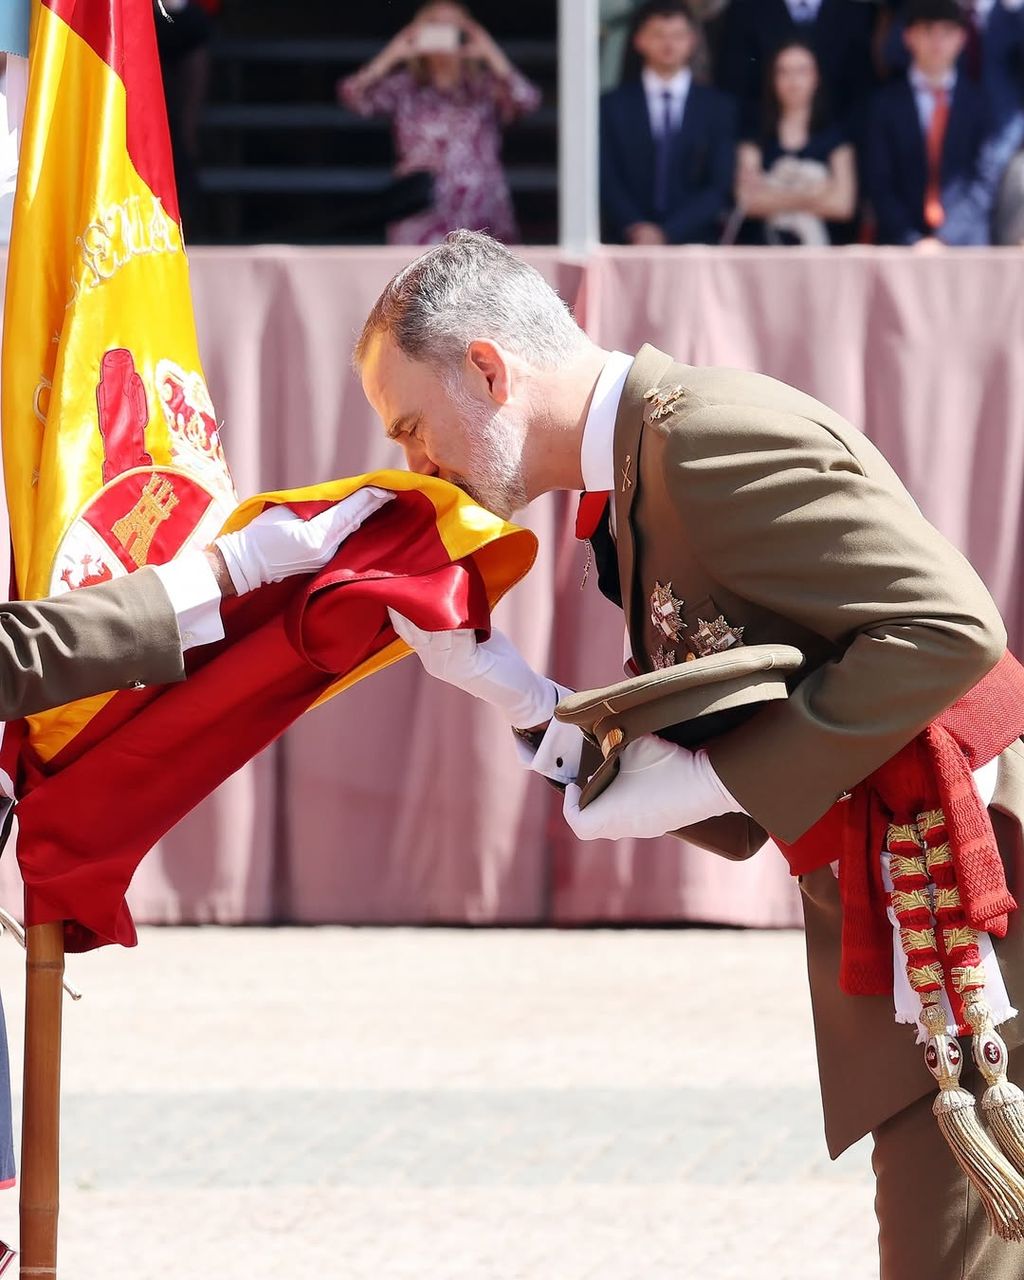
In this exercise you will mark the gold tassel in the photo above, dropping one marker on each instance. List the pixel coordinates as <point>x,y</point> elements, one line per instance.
<point>1003,1102</point>
<point>997,1182</point>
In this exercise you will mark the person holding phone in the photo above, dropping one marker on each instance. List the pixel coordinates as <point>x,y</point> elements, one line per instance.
<point>449,91</point>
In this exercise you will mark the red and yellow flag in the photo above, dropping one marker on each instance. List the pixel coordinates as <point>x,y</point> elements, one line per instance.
<point>113,460</point>
<point>112,456</point>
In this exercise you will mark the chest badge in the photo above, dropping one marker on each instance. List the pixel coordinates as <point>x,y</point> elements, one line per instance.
<point>662,401</point>
<point>666,612</point>
<point>664,658</point>
<point>715,636</point>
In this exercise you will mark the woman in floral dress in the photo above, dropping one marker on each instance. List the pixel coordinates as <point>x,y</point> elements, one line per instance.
<point>448,108</point>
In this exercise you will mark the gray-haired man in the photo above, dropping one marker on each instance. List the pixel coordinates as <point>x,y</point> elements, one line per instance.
<point>739,510</point>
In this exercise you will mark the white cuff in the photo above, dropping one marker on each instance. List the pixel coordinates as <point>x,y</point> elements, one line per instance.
<point>192,589</point>
<point>561,748</point>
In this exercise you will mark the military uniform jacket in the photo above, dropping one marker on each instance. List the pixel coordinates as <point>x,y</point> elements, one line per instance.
<point>764,510</point>
<point>114,636</point>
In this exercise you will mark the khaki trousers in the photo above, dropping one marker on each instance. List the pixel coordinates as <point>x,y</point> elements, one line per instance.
<point>931,1224</point>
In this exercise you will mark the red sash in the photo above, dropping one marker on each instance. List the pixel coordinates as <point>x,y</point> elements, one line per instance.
<point>933,771</point>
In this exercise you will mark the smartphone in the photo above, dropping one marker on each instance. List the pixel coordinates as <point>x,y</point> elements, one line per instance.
<point>438,37</point>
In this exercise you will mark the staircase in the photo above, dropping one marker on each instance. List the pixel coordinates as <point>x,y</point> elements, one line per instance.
<point>281,161</point>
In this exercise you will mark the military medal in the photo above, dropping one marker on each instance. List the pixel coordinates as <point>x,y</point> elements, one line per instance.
<point>664,400</point>
<point>715,637</point>
<point>666,612</point>
<point>663,658</point>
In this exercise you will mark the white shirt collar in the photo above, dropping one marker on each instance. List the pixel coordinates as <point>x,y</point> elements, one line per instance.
<point>597,459</point>
<point>798,7</point>
<point>920,85</point>
<point>678,86</point>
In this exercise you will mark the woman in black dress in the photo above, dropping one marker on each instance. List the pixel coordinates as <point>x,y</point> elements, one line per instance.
<point>797,181</point>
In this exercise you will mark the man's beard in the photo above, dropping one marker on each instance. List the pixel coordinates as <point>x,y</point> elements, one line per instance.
<point>495,460</point>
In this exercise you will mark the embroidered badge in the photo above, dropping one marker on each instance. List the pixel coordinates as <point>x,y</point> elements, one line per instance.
<point>663,658</point>
<point>666,612</point>
<point>663,401</point>
<point>627,479</point>
<point>715,637</point>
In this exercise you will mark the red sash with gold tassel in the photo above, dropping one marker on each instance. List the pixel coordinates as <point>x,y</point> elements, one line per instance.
<point>923,808</point>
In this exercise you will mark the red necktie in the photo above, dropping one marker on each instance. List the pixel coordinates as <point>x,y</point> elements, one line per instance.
<point>934,214</point>
<point>588,514</point>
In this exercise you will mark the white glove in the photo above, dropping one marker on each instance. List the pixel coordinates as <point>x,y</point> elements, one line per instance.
<point>494,671</point>
<point>278,543</point>
<point>660,787</point>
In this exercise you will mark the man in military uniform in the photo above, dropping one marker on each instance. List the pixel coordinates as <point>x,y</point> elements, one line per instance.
<point>726,508</point>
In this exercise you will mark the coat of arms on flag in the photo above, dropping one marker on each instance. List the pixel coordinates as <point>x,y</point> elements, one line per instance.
<point>114,460</point>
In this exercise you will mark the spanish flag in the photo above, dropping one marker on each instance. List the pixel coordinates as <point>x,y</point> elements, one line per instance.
<point>112,452</point>
<point>113,460</point>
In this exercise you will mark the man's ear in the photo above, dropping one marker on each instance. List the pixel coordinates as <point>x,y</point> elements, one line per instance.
<point>487,367</point>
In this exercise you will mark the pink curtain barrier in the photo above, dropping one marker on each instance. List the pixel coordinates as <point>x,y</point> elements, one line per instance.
<point>401,801</point>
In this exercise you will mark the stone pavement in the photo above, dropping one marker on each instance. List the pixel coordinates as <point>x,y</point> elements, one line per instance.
<point>374,1104</point>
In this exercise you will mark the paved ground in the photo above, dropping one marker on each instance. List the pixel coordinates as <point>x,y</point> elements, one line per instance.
<point>495,1105</point>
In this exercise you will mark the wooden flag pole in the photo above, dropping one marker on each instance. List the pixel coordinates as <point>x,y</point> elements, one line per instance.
<point>40,1134</point>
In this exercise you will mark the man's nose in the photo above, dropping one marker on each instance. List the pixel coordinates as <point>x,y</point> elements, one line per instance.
<point>418,460</point>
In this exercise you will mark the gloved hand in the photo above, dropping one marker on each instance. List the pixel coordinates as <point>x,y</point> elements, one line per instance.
<point>660,787</point>
<point>494,670</point>
<point>278,543</point>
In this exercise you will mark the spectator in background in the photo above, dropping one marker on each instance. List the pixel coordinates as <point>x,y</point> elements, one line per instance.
<point>925,133</point>
<point>993,56</point>
<point>667,143</point>
<point>183,32</point>
<point>709,17</point>
<point>839,32</point>
<point>799,175</point>
<point>448,90</point>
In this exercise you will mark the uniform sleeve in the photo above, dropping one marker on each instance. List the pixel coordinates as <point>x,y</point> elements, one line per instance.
<point>114,636</point>
<point>782,514</point>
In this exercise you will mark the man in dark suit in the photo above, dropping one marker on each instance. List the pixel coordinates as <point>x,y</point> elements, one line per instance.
<point>925,136</point>
<point>667,144</point>
<point>994,58</point>
<point>993,54</point>
<point>839,31</point>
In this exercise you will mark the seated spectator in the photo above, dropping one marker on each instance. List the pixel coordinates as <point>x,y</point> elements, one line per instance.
<point>839,32</point>
<point>925,135</point>
<point>993,53</point>
<point>449,90</point>
<point>800,175</point>
<point>710,19</point>
<point>667,143</point>
<point>993,56</point>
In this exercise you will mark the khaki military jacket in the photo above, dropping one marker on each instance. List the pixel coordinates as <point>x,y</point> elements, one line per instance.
<point>772,518</point>
<point>114,636</point>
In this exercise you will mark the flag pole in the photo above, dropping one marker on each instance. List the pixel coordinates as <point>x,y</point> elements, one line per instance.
<point>40,1134</point>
